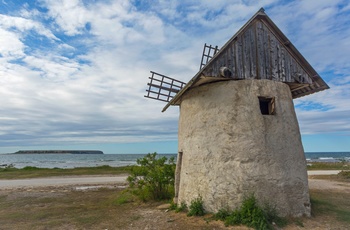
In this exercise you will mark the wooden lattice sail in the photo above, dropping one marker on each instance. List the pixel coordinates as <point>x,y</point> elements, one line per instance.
<point>208,53</point>
<point>163,88</point>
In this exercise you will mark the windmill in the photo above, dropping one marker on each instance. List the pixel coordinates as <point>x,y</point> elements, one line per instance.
<point>164,88</point>
<point>238,130</point>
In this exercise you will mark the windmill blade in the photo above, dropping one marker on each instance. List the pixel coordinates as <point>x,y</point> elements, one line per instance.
<point>163,88</point>
<point>208,52</point>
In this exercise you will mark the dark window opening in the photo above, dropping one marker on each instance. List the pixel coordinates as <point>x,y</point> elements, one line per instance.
<point>267,105</point>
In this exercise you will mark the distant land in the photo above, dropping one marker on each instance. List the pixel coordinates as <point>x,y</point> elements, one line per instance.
<point>58,152</point>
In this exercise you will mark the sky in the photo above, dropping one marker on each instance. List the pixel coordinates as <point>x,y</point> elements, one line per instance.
<point>73,73</point>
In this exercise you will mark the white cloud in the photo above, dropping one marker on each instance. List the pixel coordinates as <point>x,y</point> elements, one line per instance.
<point>11,46</point>
<point>23,25</point>
<point>70,15</point>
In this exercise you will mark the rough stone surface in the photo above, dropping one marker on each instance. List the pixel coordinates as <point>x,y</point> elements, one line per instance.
<point>229,150</point>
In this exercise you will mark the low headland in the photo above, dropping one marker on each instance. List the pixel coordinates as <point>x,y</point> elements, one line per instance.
<point>59,152</point>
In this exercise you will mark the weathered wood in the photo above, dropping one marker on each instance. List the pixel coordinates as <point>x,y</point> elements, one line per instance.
<point>163,88</point>
<point>257,53</point>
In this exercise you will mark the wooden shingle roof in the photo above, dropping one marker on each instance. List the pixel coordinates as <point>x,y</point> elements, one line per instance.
<point>259,50</point>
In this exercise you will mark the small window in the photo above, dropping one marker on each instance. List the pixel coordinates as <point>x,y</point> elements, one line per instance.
<point>267,105</point>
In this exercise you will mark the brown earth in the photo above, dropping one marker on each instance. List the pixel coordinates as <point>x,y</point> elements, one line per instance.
<point>54,207</point>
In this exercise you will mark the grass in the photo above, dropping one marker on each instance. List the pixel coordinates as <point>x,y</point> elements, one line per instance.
<point>329,166</point>
<point>81,209</point>
<point>330,203</point>
<point>34,172</point>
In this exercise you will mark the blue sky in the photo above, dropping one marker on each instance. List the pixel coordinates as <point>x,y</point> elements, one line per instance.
<point>73,72</point>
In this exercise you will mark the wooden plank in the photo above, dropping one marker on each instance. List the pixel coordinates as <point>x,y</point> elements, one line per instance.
<point>283,68</point>
<point>287,66</point>
<point>273,56</point>
<point>247,56</point>
<point>266,51</point>
<point>278,61</point>
<point>171,89</point>
<point>261,48</point>
<point>239,58</point>
<point>253,54</point>
<point>244,57</point>
<point>234,61</point>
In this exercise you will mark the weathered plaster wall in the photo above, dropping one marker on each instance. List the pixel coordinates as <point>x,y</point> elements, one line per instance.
<point>230,150</point>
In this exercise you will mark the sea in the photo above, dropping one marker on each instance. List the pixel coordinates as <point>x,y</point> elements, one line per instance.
<point>117,160</point>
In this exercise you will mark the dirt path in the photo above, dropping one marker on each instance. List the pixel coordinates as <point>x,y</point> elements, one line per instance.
<point>105,180</point>
<point>329,185</point>
<point>62,181</point>
<point>323,172</point>
<point>322,184</point>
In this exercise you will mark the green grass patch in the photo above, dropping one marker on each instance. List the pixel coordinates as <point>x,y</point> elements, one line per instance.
<point>344,175</point>
<point>251,215</point>
<point>196,207</point>
<point>75,210</point>
<point>34,172</point>
<point>332,203</point>
<point>124,198</point>
<point>328,165</point>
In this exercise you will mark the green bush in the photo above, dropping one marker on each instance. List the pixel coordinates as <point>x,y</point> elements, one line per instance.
<point>222,214</point>
<point>181,208</point>
<point>176,208</point>
<point>251,215</point>
<point>196,207</point>
<point>29,168</point>
<point>153,177</point>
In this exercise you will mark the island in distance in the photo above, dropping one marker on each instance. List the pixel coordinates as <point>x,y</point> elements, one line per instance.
<point>58,152</point>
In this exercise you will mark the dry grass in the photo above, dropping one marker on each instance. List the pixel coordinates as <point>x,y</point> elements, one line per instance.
<point>65,209</point>
<point>329,165</point>
<point>33,172</point>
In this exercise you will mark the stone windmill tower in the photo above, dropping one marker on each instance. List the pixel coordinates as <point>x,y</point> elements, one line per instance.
<point>238,131</point>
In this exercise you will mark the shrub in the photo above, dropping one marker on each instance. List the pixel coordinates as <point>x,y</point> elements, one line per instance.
<point>181,208</point>
<point>251,215</point>
<point>196,207</point>
<point>344,174</point>
<point>222,214</point>
<point>29,168</point>
<point>153,177</point>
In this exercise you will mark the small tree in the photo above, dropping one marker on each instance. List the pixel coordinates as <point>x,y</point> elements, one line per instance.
<point>153,177</point>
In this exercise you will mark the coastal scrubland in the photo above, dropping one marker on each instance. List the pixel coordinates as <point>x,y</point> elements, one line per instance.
<point>114,207</point>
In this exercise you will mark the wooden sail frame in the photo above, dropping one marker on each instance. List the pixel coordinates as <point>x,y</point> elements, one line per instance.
<point>208,53</point>
<point>163,88</point>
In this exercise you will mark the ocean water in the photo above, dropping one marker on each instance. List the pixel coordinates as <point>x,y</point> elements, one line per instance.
<point>70,160</point>
<point>115,160</point>
<point>327,156</point>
